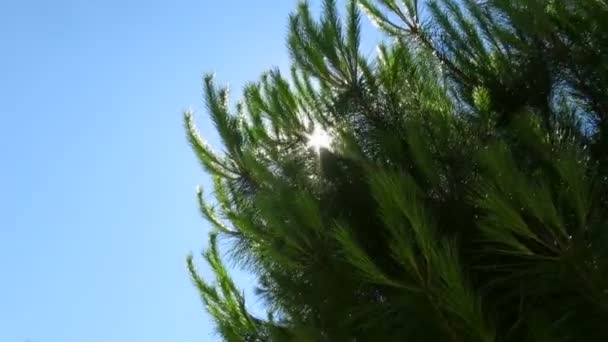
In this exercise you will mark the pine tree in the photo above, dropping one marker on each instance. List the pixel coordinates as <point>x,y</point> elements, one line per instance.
<point>453,188</point>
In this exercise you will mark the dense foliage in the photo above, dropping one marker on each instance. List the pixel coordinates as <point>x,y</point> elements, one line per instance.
<point>453,188</point>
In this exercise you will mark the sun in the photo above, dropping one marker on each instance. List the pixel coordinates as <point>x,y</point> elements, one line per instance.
<point>318,139</point>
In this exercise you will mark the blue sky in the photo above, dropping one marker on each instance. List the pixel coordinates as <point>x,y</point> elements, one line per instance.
<point>97,183</point>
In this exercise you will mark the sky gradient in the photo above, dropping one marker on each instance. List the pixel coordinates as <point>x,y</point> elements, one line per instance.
<point>97,182</point>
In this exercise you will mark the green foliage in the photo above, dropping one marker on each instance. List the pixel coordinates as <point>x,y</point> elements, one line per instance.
<point>463,195</point>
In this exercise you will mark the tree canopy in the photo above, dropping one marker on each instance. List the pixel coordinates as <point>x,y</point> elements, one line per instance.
<point>452,188</point>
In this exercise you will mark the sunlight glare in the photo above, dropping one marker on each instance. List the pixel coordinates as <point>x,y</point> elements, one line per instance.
<point>318,139</point>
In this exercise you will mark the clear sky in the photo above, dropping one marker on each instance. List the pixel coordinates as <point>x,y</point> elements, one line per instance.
<point>97,182</point>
